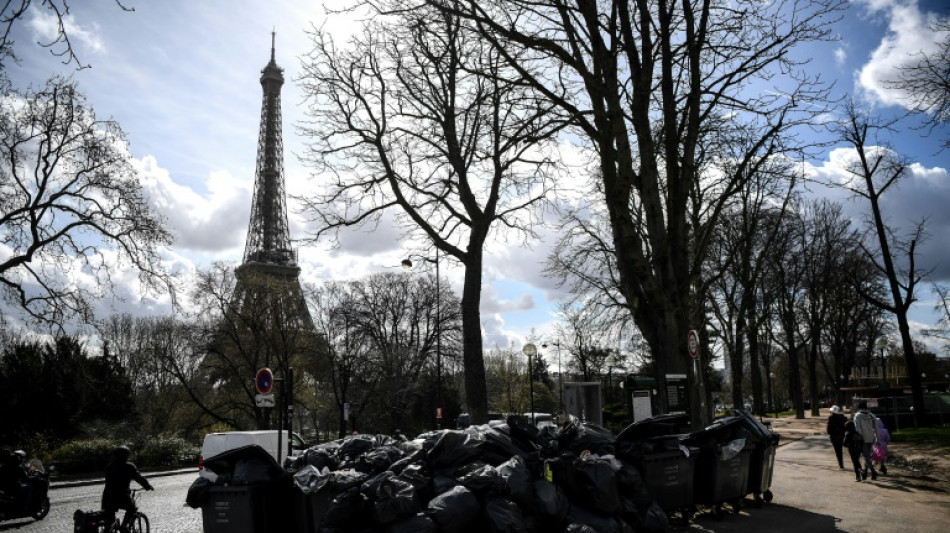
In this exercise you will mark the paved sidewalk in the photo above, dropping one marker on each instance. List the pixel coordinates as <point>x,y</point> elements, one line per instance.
<point>100,480</point>
<point>811,495</point>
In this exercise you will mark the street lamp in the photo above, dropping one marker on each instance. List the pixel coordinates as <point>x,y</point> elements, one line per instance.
<point>560,379</point>
<point>530,350</point>
<point>881,344</point>
<point>407,264</point>
<point>610,363</point>
<point>771,396</point>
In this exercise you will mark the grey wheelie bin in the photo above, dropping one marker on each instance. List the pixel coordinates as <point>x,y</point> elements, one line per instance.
<point>722,470</point>
<point>764,444</point>
<point>669,477</point>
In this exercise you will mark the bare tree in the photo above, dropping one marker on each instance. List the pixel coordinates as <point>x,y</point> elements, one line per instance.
<point>69,195</point>
<point>927,79</point>
<point>419,119</point>
<point>13,12</point>
<point>643,83</point>
<point>875,170</point>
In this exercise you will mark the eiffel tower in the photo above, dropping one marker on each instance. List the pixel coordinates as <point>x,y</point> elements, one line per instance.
<point>268,323</point>
<point>269,269</point>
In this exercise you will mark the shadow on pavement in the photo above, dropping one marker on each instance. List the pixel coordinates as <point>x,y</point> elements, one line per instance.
<point>770,517</point>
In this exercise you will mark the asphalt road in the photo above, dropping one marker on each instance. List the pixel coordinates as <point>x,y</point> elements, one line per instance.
<point>165,507</point>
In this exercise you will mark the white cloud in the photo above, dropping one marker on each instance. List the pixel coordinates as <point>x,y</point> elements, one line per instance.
<point>908,34</point>
<point>922,194</point>
<point>45,27</point>
<point>213,222</point>
<point>840,56</point>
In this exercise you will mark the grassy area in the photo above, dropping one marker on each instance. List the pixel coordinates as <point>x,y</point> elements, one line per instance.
<point>938,438</point>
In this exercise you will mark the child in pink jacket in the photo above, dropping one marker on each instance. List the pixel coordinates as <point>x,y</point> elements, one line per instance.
<point>883,437</point>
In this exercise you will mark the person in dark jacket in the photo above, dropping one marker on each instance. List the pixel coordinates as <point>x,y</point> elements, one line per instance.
<point>836,432</point>
<point>119,475</point>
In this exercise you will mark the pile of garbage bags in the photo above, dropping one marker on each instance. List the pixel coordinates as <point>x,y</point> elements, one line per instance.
<point>509,477</point>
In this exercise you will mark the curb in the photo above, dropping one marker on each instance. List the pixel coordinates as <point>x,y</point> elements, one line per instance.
<point>99,481</point>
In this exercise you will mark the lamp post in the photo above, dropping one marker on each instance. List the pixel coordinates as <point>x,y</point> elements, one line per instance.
<point>560,379</point>
<point>407,264</point>
<point>771,396</point>
<point>530,350</point>
<point>610,363</point>
<point>881,344</point>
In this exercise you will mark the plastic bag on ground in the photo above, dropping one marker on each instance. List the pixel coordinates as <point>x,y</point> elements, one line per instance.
<point>596,485</point>
<point>504,516</point>
<point>655,519</point>
<point>417,524</point>
<point>308,479</point>
<point>355,445</point>
<point>198,492</point>
<point>601,523</point>
<point>517,480</point>
<point>395,500</point>
<point>483,481</point>
<point>454,510</point>
<point>350,510</point>
<point>550,502</point>
<point>454,448</point>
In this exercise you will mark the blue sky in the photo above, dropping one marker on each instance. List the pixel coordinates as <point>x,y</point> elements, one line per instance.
<point>181,77</point>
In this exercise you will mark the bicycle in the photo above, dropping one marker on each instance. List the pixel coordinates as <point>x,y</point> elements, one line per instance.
<point>139,523</point>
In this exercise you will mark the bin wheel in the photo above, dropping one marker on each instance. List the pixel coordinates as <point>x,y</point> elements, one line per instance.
<point>767,495</point>
<point>736,505</point>
<point>687,515</point>
<point>717,511</point>
<point>757,500</point>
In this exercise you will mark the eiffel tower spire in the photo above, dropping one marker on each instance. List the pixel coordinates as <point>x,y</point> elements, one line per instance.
<point>268,236</point>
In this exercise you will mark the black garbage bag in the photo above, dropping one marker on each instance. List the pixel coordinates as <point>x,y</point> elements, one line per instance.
<point>499,446</point>
<point>308,479</point>
<point>319,458</point>
<point>580,437</point>
<point>454,510</point>
<point>443,483</point>
<point>504,516</point>
<point>633,489</point>
<point>415,456</point>
<point>517,480</point>
<point>483,481</point>
<point>349,510</point>
<point>655,519</point>
<point>550,503</point>
<point>378,459</point>
<point>354,446</point>
<point>561,471</point>
<point>453,449</point>
<point>596,485</point>
<point>599,522</point>
<point>417,524</point>
<point>524,432</point>
<point>198,492</point>
<point>579,528</point>
<point>395,500</point>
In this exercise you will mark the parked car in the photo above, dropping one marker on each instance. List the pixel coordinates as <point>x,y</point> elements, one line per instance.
<point>216,443</point>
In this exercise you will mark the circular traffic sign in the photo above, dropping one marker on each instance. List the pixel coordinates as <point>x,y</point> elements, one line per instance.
<point>692,342</point>
<point>264,380</point>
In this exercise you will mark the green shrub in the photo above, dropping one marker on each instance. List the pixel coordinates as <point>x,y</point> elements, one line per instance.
<point>165,451</point>
<point>83,456</point>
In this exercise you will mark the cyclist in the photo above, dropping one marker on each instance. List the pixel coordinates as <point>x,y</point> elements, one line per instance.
<point>116,495</point>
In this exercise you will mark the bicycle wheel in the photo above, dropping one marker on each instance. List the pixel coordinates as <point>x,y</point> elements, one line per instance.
<point>139,523</point>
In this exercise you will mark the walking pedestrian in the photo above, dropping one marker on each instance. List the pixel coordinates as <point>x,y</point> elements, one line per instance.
<point>865,425</point>
<point>883,438</point>
<point>854,443</point>
<point>835,431</point>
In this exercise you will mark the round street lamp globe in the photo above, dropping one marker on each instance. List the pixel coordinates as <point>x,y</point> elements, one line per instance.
<point>530,350</point>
